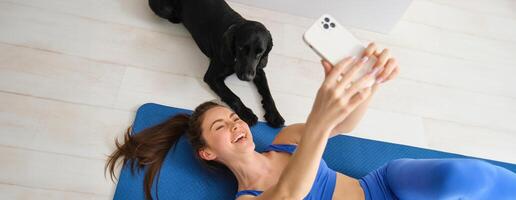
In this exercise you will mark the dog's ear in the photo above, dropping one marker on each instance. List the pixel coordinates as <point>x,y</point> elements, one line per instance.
<point>228,44</point>
<point>265,56</point>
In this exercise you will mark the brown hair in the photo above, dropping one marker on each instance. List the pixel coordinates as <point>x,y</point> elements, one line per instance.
<point>150,146</point>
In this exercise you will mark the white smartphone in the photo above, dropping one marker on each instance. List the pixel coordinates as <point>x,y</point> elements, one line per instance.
<point>332,42</point>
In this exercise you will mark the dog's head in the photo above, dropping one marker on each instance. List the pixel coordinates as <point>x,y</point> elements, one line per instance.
<point>247,46</point>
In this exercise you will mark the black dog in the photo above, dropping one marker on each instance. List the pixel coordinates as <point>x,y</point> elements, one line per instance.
<point>233,44</point>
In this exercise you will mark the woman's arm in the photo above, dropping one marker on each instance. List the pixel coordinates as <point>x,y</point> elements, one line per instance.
<point>333,103</point>
<point>299,174</point>
<point>353,119</point>
<point>333,106</point>
<point>292,133</point>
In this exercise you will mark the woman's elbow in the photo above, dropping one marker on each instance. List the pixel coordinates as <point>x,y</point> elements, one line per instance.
<point>343,130</point>
<point>349,129</point>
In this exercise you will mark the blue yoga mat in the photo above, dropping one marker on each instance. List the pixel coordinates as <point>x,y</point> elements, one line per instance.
<point>182,177</point>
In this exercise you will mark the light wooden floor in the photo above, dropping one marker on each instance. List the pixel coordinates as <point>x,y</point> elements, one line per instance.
<point>73,72</point>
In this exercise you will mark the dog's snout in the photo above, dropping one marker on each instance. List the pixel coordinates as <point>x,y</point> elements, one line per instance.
<point>246,76</point>
<point>249,76</point>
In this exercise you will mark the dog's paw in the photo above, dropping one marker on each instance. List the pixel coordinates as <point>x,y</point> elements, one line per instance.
<point>274,119</point>
<point>248,116</point>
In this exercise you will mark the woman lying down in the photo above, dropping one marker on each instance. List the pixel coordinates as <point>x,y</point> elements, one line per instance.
<point>292,166</point>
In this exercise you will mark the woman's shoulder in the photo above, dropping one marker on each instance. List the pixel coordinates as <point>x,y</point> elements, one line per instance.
<point>290,134</point>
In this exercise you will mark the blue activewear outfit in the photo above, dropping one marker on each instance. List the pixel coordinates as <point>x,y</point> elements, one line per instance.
<point>424,179</point>
<point>419,179</point>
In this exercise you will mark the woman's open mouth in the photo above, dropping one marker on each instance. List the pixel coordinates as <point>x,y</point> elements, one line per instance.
<point>241,137</point>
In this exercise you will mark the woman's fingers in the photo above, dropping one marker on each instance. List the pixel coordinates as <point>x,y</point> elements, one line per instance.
<point>393,74</point>
<point>391,65</point>
<point>327,67</point>
<point>362,83</point>
<point>336,71</point>
<point>382,58</point>
<point>370,50</point>
<point>348,76</point>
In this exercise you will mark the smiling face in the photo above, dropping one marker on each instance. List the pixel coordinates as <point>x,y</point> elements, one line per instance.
<point>226,135</point>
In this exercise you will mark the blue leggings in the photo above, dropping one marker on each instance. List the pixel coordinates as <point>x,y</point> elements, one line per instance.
<point>439,179</point>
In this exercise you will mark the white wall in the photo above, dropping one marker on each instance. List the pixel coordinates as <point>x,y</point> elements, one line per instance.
<point>374,15</point>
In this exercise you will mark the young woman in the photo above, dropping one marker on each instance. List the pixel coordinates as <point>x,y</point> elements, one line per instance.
<point>292,168</point>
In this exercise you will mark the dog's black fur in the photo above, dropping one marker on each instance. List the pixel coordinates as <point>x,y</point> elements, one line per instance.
<point>233,44</point>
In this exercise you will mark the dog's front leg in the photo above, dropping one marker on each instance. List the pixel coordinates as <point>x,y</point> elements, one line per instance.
<point>271,112</point>
<point>215,77</point>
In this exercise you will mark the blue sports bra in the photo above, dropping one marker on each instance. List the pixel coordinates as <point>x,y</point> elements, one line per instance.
<point>324,183</point>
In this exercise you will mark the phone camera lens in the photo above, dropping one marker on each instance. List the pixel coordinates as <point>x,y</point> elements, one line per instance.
<point>326,19</point>
<point>325,26</point>
<point>332,25</point>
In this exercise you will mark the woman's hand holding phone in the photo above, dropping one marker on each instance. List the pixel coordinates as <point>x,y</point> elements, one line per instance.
<point>332,42</point>
<point>387,68</point>
<point>335,100</point>
<point>388,65</point>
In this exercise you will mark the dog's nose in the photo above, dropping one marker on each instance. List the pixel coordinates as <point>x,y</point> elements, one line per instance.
<point>244,77</point>
<point>249,76</point>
